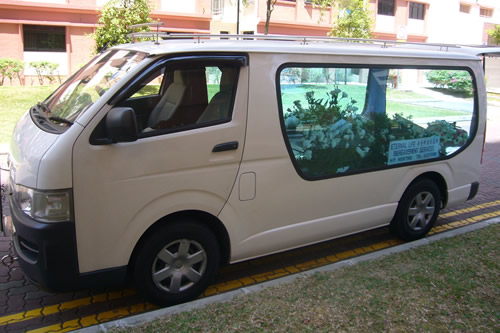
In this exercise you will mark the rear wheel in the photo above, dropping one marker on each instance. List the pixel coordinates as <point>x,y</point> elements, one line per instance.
<point>417,211</point>
<point>176,263</point>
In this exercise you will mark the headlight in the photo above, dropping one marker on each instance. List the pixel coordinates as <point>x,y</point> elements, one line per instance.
<point>44,206</point>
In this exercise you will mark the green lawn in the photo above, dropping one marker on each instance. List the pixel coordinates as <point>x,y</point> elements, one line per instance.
<point>14,102</point>
<point>450,285</point>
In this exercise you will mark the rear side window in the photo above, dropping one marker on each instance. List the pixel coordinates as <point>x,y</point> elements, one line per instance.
<point>344,120</point>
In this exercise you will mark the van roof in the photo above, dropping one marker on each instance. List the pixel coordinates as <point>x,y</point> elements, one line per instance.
<point>163,43</point>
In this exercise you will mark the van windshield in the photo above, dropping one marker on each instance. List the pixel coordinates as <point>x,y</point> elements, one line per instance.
<point>84,88</point>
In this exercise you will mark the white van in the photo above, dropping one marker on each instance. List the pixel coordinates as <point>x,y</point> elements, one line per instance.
<point>162,161</point>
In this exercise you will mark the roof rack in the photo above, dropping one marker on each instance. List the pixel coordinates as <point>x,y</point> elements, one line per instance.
<point>304,40</point>
<point>151,34</point>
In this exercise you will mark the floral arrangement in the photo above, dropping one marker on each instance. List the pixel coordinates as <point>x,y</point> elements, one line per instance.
<point>330,135</point>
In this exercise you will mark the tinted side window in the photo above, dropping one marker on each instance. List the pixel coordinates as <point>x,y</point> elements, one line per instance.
<point>349,120</point>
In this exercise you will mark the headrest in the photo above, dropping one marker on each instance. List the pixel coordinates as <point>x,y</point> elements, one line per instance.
<point>179,76</point>
<point>228,78</point>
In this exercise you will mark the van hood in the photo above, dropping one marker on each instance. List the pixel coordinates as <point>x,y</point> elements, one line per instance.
<point>27,148</point>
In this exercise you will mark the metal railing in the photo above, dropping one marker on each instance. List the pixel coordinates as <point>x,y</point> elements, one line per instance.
<point>158,36</point>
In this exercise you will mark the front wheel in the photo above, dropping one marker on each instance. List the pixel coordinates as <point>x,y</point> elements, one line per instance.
<point>176,263</point>
<point>417,211</point>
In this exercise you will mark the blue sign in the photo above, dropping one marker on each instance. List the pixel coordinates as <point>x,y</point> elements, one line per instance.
<point>404,151</point>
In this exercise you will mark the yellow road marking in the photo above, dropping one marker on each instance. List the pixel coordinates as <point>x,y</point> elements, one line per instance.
<point>225,286</point>
<point>462,223</point>
<point>470,209</point>
<point>51,309</point>
<point>96,319</point>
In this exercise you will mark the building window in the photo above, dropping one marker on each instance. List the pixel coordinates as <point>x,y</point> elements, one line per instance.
<point>224,33</point>
<point>486,12</point>
<point>217,7</point>
<point>44,38</point>
<point>464,8</point>
<point>385,7</point>
<point>417,11</point>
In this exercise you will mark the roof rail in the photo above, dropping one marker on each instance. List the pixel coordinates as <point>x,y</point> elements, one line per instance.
<point>150,34</point>
<point>304,40</point>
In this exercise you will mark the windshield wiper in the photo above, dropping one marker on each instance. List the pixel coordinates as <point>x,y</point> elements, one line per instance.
<point>61,120</point>
<point>43,108</point>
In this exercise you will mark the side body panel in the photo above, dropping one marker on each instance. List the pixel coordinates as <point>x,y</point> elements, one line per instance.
<point>288,211</point>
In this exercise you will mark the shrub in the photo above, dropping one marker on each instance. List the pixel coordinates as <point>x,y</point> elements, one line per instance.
<point>495,34</point>
<point>45,69</point>
<point>11,68</point>
<point>453,80</point>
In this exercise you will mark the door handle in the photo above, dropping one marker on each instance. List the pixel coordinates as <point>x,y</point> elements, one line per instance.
<point>233,145</point>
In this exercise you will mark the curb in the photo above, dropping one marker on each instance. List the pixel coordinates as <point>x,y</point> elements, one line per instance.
<point>200,303</point>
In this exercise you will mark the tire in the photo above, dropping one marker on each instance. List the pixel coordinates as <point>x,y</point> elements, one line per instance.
<point>417,211</point>
<point>176,263</point>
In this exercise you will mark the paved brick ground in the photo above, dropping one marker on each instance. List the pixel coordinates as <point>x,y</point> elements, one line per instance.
<point>24,307</point>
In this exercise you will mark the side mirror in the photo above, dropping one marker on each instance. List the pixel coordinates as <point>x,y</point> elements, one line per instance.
<point>121,125</point>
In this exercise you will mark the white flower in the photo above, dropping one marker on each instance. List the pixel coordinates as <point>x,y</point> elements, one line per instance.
<point>362,151</point>
<point>321,136</point>
<point>344,169</point>
<point>335,142</point>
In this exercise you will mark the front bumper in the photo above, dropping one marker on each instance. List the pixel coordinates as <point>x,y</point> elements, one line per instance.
<point>47,251</point>
<point>47,254</point>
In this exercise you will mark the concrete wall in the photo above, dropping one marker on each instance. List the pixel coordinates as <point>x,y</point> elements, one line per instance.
<point>448,25</point>
<point>493,74</point>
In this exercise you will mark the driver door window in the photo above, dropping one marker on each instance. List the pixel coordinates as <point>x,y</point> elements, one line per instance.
<point>180,96</point>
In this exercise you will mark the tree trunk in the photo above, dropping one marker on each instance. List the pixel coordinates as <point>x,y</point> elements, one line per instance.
<point>269,10</point>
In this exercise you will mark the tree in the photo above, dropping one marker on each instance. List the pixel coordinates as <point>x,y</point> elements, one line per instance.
<point>269,9</point>
<point>495,34</point>
<point>354,21</point>
<point>11,68</point>
<point>115,20</point>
